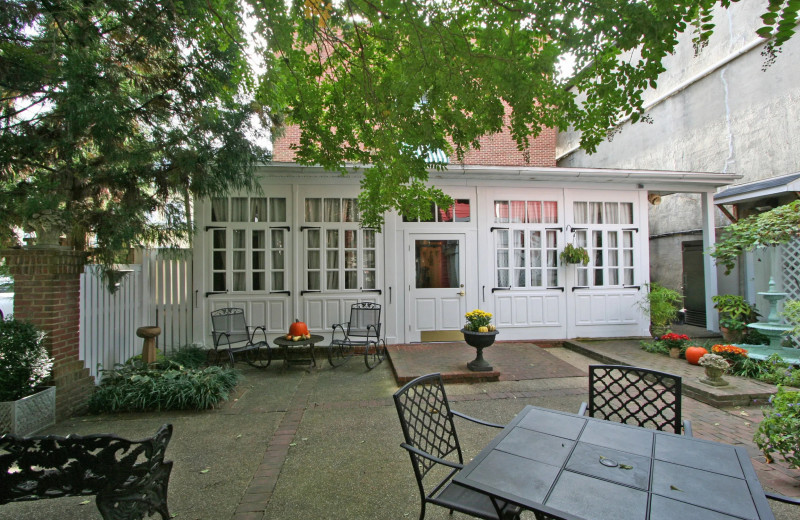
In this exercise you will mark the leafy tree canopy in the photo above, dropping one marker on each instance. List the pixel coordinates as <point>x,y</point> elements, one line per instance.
<point>384,82</point>
<point>112,111</point>
<point>771,228</point>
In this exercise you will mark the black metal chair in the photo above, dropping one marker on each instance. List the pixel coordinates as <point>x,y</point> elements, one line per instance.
<point>363,331</point>
<point>637,396</point>
<point>783,498</point>
<point>233,336</point>
<point>432,442</point>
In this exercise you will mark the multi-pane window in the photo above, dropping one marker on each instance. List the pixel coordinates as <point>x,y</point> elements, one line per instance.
<point>248,244</point>
<point>526,251</point>
<point>339,254</point>
<point>603,228</point>
<point>458,212</point>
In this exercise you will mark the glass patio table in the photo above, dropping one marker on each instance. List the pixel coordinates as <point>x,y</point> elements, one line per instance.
<point>574,467</point>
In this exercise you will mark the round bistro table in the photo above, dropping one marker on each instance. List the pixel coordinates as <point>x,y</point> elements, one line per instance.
<point>286,343</point>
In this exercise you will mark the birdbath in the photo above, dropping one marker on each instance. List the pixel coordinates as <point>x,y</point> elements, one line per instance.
<point>773,329</point>
<point>149,333</point>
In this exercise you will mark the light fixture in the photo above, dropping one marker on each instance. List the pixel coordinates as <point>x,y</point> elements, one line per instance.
<point>654,199</point>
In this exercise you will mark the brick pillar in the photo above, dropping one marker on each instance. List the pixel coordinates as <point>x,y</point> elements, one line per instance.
<point>47,293</point>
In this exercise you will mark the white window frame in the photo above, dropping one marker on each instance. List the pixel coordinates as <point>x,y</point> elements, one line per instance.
<point>235,261</point>
<point>547,269</point>
<point>360,260</point>
<point>611,246</point>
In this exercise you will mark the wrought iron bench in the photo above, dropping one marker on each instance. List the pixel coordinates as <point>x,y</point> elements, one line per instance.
<point>129,478</point>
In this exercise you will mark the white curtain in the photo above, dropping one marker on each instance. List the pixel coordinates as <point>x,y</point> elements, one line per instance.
<point>219,209</point>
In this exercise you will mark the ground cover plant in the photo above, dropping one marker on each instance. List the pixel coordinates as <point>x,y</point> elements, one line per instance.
<point>135,386</point>
<point>779,432</point>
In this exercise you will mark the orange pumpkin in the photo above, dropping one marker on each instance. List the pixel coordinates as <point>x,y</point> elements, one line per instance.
<point>693,355</point>
<point>298,328</point>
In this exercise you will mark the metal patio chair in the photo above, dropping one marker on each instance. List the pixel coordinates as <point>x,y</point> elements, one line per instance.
<point>363,331</point>
<point>638,396</point>
<point>432,443</point>
<point>233,336</point>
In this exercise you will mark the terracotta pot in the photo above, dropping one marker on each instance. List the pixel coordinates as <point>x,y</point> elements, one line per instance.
<point>731,336</point>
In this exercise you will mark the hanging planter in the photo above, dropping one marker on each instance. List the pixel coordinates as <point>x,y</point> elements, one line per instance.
<point>574,255</point>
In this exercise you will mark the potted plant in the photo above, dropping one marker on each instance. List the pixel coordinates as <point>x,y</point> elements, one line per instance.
<point>25,405</point>
<point>479,333</point>
<point>731,353</point>
<point>574,255</point>
<point>662,304</point>
<point>714,366</point>
<point>734,315</point>
<point>675,343</point>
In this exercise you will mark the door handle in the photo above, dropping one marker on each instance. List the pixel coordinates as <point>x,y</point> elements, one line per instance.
<point>462,293</point>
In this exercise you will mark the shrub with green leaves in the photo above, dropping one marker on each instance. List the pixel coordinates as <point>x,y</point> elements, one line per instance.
<point>773,370</point>
<point>24,362</point>
<point>779,432</point>
<point>137,387</point>
<point>189,356</point>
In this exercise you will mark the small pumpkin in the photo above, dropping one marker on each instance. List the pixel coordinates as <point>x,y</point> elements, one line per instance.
<point>693,355</point>
<point>483,329</point>
<point>288,336</point>
<point>296,338</point>
<point>491,327</point>
<point>298,328</point>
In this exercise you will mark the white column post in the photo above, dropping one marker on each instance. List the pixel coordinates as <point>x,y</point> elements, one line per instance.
<point>709,266</point>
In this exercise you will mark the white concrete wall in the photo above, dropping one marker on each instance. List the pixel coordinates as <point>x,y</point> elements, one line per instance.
<point>714,112</point>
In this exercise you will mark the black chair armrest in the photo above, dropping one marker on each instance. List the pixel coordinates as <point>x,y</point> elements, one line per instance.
<point>582,409</point>
<point>428,456</point>
<point>783,498</point>
<point>687,428</point>
<point>479,421</point>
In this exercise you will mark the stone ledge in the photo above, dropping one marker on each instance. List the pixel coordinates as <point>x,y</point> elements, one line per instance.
<point>740,392</point>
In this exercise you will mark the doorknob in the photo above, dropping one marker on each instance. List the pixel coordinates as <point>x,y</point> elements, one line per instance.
<point>462,293</point>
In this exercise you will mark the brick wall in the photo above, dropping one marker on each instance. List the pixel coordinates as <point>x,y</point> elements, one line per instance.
<point>47,294</point>
<point>496,150</point>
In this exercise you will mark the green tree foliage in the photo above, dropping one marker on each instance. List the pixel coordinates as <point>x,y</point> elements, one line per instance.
<point>384,82</point>
<point>112,111</point>
<point>771,228</point>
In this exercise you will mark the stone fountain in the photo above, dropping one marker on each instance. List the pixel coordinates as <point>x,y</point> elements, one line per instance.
<point>773,328</point>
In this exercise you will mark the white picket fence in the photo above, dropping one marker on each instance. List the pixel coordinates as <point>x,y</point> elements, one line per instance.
<point>156,292</point>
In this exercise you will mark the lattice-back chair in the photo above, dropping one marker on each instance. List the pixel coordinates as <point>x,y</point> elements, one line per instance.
<point>638,396</point>
<point>432,443</point>
<point>233,336</point>
<point>363,331</point>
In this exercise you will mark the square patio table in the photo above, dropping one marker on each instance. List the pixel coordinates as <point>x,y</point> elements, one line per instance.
<point>575,467</point>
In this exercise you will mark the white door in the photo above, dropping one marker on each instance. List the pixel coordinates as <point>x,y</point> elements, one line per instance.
<point>436,277</point>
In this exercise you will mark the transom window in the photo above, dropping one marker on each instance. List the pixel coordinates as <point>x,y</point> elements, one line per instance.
<point>458,212</point>
<point>526,251</point>
<point>248,244</point>
<point>339,254</point>
<point>608,237</point>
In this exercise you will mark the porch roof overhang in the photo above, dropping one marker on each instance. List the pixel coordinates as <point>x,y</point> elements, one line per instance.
<point>753,191</point>
<point>662,182</point>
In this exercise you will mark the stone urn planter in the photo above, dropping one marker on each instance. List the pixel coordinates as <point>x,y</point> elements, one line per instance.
<point>480,341</point>
<point>714,376</point>
<point>30,414</point>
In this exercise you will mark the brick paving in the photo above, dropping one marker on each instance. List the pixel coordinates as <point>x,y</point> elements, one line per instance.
<point>511,361</point>
<point>258,493</point>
